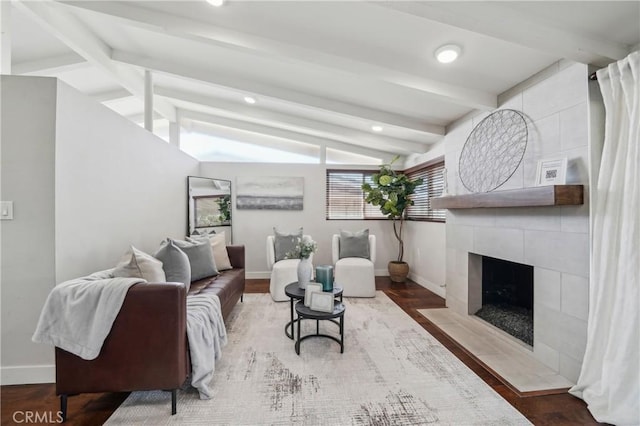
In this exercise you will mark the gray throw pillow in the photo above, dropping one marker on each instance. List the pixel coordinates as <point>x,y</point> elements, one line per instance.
<point>200,258</point>
<point>354,244</point>
<point>285,242</point>
<point>175,263</point>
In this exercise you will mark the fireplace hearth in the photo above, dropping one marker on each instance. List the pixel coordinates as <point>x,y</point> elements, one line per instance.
<point>507,297</point>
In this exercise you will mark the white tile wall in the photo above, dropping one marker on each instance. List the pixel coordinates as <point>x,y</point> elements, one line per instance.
<point>575,218</point>
<point>547,288</point>
<point>555,240</point>
<point>461,238</point>
<point>473,217</point>
<point>575,296</point>
<point>560,251</point>
<point>501,243</point>
<point>563,90</point>
<point>546,328</point>
<point>569,367</point>
<point>578,165</point>
<point>533,218</point>
<point>573,132</point>
<point>544,136</point>
<point>549,356</point>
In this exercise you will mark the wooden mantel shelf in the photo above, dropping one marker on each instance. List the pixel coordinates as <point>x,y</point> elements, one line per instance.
<point>537,196</point>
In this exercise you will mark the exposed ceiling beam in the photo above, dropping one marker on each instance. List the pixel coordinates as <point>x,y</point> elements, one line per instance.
<point>297,124</point>
<point>214,131</point>
<point>51,65</point>
<point>71,31</point>
<point>273,49</point>
<point>257,129</point>
<point>242,85</point>
<point>276,143</point>
<point>502,21</point>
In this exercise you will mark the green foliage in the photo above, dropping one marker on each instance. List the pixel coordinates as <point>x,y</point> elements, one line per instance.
<point>392,191</point>
<point>303,249</point>
<point>224,206</point>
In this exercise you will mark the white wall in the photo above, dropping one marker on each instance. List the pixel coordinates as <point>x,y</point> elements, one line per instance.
<point>28,241</point>
<point>114,184</point>
<point>425,244</point>
<point>251,227</point>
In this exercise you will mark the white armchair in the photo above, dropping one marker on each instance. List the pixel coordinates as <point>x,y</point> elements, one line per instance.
<point>283,272</point>
<point>355,275</point>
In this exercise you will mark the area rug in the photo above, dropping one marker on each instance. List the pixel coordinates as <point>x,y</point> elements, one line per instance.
<point>392,372</point>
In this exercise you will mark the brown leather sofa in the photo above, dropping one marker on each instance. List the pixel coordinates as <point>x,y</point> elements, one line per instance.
<point>147,347</point>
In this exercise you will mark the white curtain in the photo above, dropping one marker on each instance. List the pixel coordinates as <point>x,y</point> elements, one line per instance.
<point>609,381</point>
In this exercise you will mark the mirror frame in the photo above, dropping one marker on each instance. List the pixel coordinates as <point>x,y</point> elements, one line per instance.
<point>220,193</point>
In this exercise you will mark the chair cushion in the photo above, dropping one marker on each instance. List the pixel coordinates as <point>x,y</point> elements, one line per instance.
<point>354,244</point>
<point>285,242</point>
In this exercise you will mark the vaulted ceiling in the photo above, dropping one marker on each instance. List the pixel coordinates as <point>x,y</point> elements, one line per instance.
<point>322,72</point>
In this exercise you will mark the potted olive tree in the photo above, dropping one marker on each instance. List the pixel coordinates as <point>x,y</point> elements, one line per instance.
<point>391,190</point>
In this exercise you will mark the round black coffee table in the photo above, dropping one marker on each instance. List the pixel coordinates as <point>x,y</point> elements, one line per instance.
<point>304,312</point>
<point>296,293</point>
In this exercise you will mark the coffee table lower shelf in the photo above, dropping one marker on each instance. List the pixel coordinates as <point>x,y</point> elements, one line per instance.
<point>305,312</point>
<point>296,293</point>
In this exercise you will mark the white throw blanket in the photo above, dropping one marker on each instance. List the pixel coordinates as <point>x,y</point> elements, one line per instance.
<point>78,314</point>
<point>207,335</point>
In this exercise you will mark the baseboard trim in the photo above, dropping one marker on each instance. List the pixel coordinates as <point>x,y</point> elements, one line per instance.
<point>27,374</point>
<point>257,275</point>
<point>440,291</point>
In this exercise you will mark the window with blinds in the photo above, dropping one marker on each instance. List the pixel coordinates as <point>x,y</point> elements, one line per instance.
<point>345,198</point>
<point>432,187</point>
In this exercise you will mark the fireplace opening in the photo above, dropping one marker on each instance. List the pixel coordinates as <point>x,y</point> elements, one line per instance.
<point>507,297</point>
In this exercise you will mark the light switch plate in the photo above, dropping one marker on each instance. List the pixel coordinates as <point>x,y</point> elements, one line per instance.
<point>6,210</point>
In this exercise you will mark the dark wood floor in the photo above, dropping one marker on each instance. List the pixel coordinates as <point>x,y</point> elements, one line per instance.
<point>94,409</point>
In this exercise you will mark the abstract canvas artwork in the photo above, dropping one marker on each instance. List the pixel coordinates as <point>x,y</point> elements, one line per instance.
<point>270,193</point>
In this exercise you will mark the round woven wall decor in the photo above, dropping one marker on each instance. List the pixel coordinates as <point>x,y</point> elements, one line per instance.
<point>493,151</point>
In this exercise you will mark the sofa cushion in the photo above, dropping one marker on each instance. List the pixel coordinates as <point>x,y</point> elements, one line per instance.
<point>285,242</point>
<point>219,248</point>
<point>138,264</point>
<point>354,244</point>
<point>200,258</point>
<point>175,263</point>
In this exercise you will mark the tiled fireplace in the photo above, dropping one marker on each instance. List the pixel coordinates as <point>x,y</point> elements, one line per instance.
<point>554,241</point>
<point>560,269</point>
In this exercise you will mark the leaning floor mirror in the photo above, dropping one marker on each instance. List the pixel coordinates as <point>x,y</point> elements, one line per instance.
<point>209,206</point>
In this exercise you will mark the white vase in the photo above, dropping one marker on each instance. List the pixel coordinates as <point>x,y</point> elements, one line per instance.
<point>305,269</point>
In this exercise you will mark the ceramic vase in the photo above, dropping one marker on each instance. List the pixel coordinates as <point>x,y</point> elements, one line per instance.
<point>305,270</point>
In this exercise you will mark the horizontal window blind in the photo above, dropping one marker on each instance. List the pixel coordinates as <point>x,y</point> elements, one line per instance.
<point>345,198</point>
<point>431,187</point>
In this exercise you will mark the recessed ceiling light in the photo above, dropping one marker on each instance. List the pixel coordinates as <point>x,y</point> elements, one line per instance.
<point>448,53</point>
<point>216,3</point>
<point>250,100</point>
<point>376,128</point>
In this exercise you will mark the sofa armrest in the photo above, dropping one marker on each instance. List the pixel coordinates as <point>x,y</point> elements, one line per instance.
<point>236,256</point>
<point>146,348</point>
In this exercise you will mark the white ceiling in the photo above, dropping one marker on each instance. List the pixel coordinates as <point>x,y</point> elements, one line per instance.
<point>323,72</point>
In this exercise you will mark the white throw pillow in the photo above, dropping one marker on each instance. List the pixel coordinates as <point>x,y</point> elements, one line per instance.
<point>219,246</point>
<point>138,264</point>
